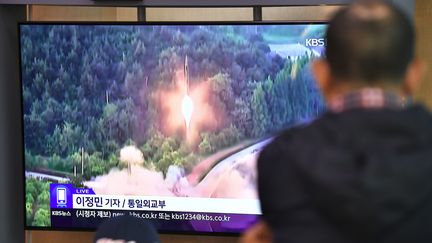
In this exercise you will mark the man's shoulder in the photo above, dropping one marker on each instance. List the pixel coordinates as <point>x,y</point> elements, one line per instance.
<point>330,126</point>
<point>302,132</point>
<point>292,140</point>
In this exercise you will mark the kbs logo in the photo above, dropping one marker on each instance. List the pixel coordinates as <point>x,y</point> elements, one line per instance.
<point>315,42</point>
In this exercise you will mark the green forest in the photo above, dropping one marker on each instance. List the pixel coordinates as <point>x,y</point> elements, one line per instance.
<point>37,202</point>
<point>91,87</point>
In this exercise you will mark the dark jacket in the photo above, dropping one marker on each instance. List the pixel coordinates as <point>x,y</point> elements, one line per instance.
<point>356,176</point>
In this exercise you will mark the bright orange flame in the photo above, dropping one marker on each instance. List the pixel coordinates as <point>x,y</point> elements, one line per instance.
<point>172,119</point>
<point>187,110</point>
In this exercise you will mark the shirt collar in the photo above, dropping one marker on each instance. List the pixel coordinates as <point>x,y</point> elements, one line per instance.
<point>367,98</point>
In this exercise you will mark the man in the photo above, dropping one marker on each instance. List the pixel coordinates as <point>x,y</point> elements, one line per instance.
<point>363,171</point>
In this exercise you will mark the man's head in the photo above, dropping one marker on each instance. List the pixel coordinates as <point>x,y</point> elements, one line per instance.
<point>369,43</point>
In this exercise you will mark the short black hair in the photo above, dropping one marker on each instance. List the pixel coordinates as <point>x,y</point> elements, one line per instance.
<point>370,41</point>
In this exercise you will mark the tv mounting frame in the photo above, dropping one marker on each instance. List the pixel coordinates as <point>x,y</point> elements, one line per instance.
<point>141,5</point>
<point>184,3</point>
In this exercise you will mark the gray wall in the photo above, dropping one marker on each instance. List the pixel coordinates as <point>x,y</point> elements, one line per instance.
<point>407,5</point>
<point>11,186</point>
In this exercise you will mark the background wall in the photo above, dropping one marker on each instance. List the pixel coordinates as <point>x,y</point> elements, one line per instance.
<point>423,19</point>
<point>78,13</point>
<point>74,13</point>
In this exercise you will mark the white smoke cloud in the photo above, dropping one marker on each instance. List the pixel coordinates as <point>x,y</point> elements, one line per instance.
<point>142,182</point>
<point>131,155</point>
<point>135,180</point>
<point>235,178</point>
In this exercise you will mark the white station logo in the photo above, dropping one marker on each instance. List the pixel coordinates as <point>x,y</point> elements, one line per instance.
<point>315,42</point>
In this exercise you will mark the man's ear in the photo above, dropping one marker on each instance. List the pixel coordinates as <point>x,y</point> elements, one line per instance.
<point>413,76</point>
<point>321,71</point>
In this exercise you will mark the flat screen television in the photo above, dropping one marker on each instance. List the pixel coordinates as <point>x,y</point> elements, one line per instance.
<point>162,121</point>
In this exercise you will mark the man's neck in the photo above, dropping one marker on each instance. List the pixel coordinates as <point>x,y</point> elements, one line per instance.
<point>342,88</point>
<point>366,98</point>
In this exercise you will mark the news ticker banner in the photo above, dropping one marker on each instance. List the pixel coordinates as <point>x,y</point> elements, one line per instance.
<point>162,220</point>
<point>65,196</point>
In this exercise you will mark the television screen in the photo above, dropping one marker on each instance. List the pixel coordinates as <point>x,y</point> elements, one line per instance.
<point>160,121</point>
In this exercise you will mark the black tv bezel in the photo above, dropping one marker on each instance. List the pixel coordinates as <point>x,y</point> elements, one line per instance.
<point>125,23</point>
